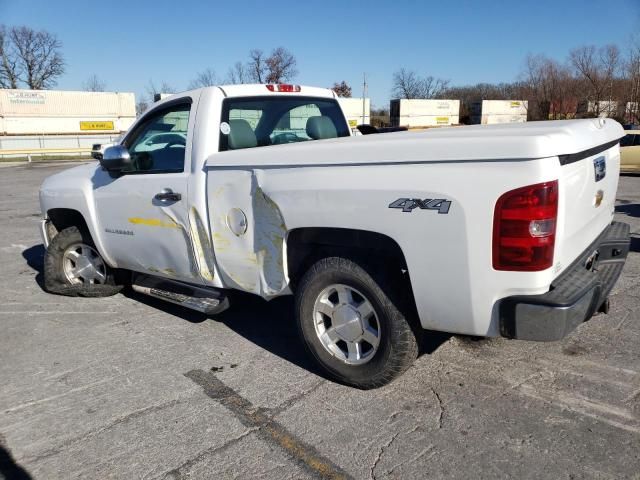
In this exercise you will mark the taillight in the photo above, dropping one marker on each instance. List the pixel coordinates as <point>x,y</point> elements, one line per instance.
<point>282,87</point>
<point>524,228</point>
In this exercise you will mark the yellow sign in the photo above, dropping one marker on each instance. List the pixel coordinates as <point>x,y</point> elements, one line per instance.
<point>442,120</point>
<point>96,126</point>
<point>515,104</point>
<point>353,123</point>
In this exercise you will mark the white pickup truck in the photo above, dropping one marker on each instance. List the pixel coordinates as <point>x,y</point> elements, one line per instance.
<point>499,230</point>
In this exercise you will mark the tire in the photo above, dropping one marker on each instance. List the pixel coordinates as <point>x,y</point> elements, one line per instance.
<point>397,345</point>
<point>58,281</point>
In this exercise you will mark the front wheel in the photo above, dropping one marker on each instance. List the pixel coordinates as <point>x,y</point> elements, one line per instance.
<point>351,326</point>
<point>73,267</point>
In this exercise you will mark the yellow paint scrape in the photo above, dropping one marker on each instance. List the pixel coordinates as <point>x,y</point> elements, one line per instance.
<point>153,222</point>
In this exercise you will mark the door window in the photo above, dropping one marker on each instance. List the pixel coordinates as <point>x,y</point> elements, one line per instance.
<point>158,145</point>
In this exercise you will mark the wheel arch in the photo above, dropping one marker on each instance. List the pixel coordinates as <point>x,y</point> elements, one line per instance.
<point>62,218</point>
<point>307,245</point>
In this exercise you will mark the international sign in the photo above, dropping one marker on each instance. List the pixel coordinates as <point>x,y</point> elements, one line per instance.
<point>96,126</point>
<point>26,97</point>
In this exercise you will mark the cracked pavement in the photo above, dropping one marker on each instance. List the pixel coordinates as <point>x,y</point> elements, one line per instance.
<point>130,387</point>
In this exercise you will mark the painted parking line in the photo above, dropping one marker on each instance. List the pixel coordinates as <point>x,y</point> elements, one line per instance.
<point>269,430</point>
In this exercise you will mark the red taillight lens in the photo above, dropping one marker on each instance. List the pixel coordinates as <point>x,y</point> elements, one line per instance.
<point>281,87</point>
<point>524,228</point>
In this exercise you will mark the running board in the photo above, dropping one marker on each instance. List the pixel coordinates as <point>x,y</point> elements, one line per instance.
<point>205,300</point>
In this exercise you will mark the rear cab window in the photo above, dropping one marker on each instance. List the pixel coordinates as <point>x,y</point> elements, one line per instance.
<point>250,122</point>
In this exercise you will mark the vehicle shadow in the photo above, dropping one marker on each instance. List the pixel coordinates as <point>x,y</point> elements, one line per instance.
<point>271,325</point>
<point>631,209</point>
<point>268,325</point>
<point>9,469</point>
<point>35,259</point>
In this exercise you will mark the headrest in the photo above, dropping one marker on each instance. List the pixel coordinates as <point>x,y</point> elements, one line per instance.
<point>321,127</point>
<point>241,135</point>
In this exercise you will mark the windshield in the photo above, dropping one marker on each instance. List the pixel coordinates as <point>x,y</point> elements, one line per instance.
<point>262,121</point>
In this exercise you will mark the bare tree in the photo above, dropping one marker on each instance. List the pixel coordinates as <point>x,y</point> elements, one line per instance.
<point>281,66</point>
<point>94,84</point>
<point>549,88</point>
<point>153,90</point>
<point>237,74</point>
<point>141,106</point>
<point>206,78</point>
<point>342,89</point>
<point>631,85</point>
<point>278,67</point>
<point>257,66</point>
<point>32,57</point>
<point>408,84</point>
<point>596,69</point>
<point>10,68</point>
<point>433,87</point>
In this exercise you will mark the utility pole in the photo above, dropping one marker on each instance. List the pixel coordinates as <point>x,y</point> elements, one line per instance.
<point>364,94</point>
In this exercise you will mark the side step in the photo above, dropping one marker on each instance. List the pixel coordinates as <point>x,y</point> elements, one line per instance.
<point>205,300</point>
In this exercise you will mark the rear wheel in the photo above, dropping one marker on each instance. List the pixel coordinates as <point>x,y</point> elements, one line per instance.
<point>351,325</point>
<point>73,266</point>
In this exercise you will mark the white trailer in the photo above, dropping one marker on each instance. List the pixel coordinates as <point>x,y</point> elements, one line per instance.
<point>491,112</point>
<point>38,112</point>
<point>603,108</point>
<point>352,108</point>
<point>424,113</point>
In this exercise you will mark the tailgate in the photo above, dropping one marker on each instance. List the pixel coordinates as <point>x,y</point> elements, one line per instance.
<point>588,183</point>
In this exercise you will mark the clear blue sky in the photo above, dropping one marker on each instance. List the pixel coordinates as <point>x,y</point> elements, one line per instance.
<point>128,43</point>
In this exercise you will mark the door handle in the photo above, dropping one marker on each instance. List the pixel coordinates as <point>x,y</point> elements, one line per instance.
<point>168,195</point>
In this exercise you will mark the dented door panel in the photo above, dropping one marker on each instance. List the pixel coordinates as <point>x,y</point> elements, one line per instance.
<point>251,260</point>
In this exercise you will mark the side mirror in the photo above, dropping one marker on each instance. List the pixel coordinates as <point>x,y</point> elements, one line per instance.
<point>115,159</point>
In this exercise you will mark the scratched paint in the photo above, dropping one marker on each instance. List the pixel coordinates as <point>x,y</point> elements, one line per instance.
<point>153,222</point>
<point>269,234</point>
<point>201,246</point>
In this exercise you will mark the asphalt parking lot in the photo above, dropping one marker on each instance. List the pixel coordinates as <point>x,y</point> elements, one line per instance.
<point>129,387</point>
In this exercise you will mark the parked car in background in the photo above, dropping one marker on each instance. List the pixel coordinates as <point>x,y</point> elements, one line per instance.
<point>630,152</point>
<point>370,129</point>
<point>97,150</point>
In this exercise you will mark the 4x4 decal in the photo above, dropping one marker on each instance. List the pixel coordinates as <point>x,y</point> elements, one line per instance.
<point>408,204</point>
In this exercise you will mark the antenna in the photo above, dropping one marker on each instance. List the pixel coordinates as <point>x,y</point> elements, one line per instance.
<point>364,94</point>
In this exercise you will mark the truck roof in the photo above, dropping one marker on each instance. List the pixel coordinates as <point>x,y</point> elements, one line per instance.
<point>253,89</point>
<point>259,89</point>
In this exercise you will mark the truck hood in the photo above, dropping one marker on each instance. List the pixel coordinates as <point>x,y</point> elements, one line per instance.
<point>71,178</point>
<point>520,141</point>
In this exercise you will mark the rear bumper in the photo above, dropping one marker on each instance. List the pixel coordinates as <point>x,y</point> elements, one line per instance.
<point>574,296</point>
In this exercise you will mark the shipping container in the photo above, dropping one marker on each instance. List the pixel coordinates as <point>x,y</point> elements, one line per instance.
<point>424,113</point>
<point>499,107</point>
<point>603,108</point>
<point>497,119</point>
<point>490,112</point>
<point>37,112</point>
<point>352,108</point>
